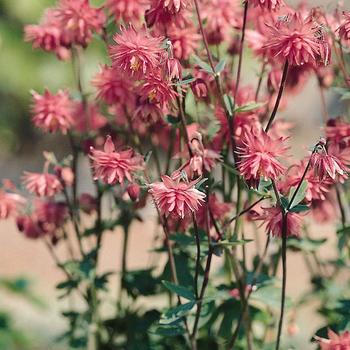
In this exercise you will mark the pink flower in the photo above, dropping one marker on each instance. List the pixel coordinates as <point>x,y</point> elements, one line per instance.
<point>47,36</point>
<point>137,52</point>
<point>271,5</point>
<point>88,118</point>
<point>134,191</point>
<point>53,112</point>
<point>176,197</point>
<point>158,91</point>
<point>111,166</point>
<point>128,11</point>
<point>338,130</point>
<point>258,156</point>
<point>326,165</point>
<point>298,40</point>
<point>344,28</point>
<point>42,184</point>
<point>79,21</point>
<point>9,204</point>
<point>30,226</point>
<point>273,220</point>
<point>113,86</point>
<point>87,203</point>
<point>335,341</point>
<point>50,214</point>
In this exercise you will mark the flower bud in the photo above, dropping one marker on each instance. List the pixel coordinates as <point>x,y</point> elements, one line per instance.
<point>199,88</point>
<point>134,191</point>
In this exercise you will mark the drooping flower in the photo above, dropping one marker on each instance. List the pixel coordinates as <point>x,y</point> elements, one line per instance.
<point>176,197</point>
<point>273,220</point>
<point>42,184</point>
<point>10,203</point>
<point>335,341</point>
<point>113,86</point>
<point>87,203</point>
<point>137,52</point>
<point>79,21</point>
<point>337,130</point>
<point>271,5</point>
<point>297,40</point>
<point>111,166</point>
<point>128,11</point>
<point>326,165</point>
<point>47,36</point>
<point>344,28</point>
<point>53,112</point>
<point>258,156</point>
<point>29,226</point>
<point>50,214</point>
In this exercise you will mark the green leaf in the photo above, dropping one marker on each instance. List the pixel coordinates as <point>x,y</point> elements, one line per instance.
<point>300,194</point>
<point>306,244</point>
<point>249,107</point>
<point>299,208</point>
<point>284,202</point>
<point>220,66</point>
<point>186,81</point>
<point>182,239</point>
<point>172,119</point>
<point>231,169</point>
<point>205,66</point>
<point>173,314</point>
<point>234,243</point>
<point>179,290</point>
<point>229,104</point>
<point>170,331</point>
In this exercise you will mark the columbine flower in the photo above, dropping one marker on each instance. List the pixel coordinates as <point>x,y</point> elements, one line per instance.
<point>9,203</point>
<point>111,166</point>
<point>79,20</point>
<point>176,197</point>
<point>136,52</point>
<point>271,5</point>
<point>344,28</point>
<point>51,214</point>
<point>126,10</point>
<point>298,40</point>
<point>88,118</point>
<point>42,184</point>
<point>30,226</point>
<point>335,341</point>
<point>273,220</point>
<point>337,130</point>
<point>158,91</point>
<point>53,112</point>
<point>258,156</point>
<point>113,86</point>
<point>326,165</point>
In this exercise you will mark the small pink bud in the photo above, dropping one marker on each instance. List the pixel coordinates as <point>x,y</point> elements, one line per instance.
<point>87,203</point>
<point>134,191</point>
<point>174,68</point>
<point>199,88</point>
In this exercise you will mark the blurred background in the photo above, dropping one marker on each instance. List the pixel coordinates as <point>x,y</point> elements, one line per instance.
<point>29,309</point>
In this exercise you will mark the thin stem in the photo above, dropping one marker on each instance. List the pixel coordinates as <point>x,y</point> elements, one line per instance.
<point>198,257</point>
<point>183,124</point>
<point>123,263</point>
<point>284,277</point>
<point>260,79</point>
<point>279,96</point>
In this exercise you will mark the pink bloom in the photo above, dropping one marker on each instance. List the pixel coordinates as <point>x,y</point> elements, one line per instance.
<point>326,165</point>
<point>53,112</point>
<point>148,112</point>
<point>176,197</point>
<point>199,88</point>
<point>324,211</point>
<point>137,52</point>
<point>128,11</point>
<point>271,5</point>
<point>50,214</point>
<point>65,175</point>
<point>338,130</point>
<point>344,29</point>
<point>9,204</point>
<point>164,12</point>
<point>335,341</point>
<point>272,219</point>
<point>173,69</point>
<point>111,166</point>
<point>47,36</point>
<point>42,184</point>
<point>234,293</point>
<point>113,86</point>
<point>88,118</point>
<point>30,226</point>
<point>134,191</point>
<point>297,40</point>
<point>158,91</point>
<point>258,156</point>
<point>87,203</point>
<point>79,21</point>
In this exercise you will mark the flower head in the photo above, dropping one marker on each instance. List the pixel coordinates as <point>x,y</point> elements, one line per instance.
<point>297,40</point>
<point>50,214</point>
<point>88,118</point>
<point>42,184</point>
<point>53,112</point>
<point>126,10</point>
<point>273,220</point>
<point>137,52</point>
<point>111,166</point>
<point>30,226</point>
<point>344,28</point>
<point>176,197</point>
<point>258,156</point>
<point>9,204</point>
<point>335,341</point>
<point>271,5</point>
<point>79,20</point>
